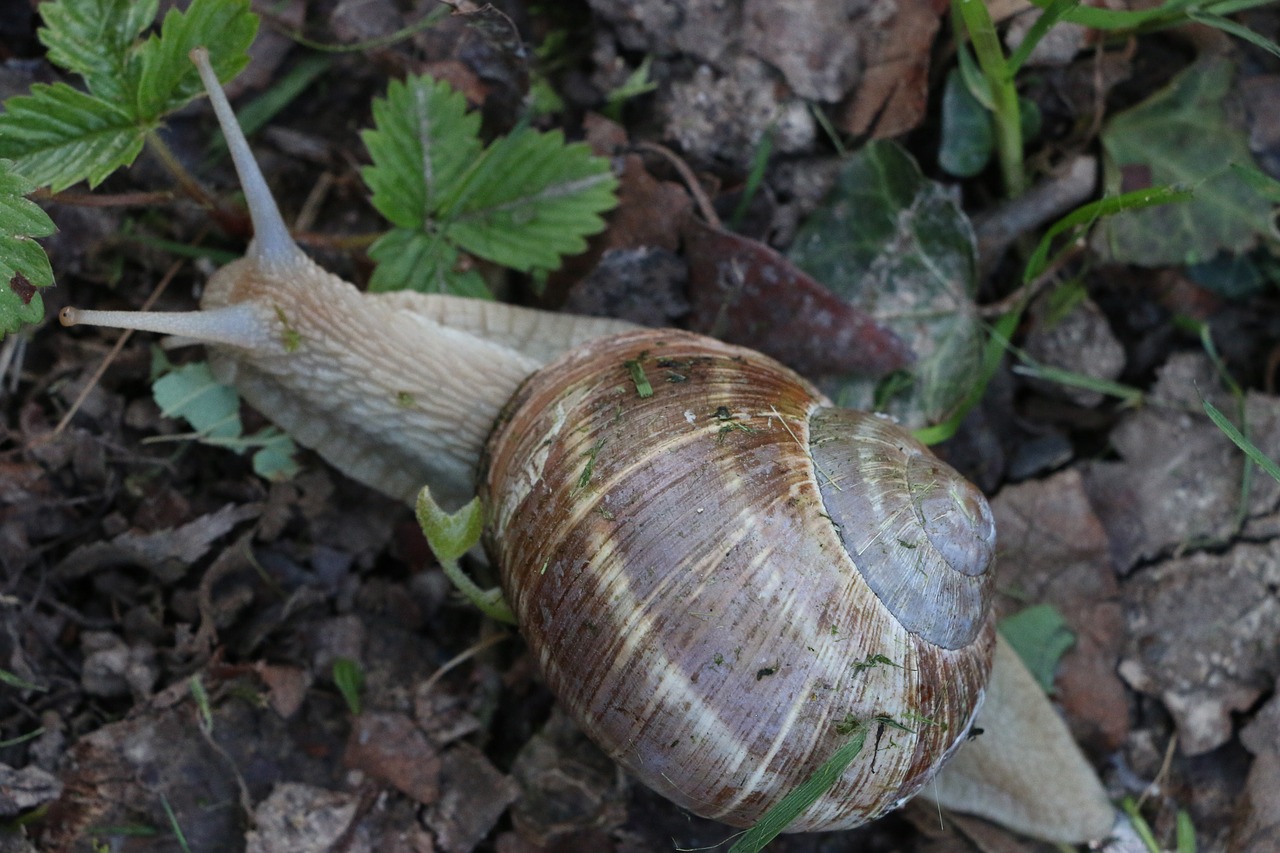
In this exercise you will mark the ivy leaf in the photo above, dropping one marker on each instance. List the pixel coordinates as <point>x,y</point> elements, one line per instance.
<point>413,260</point>
<point>169,80</point>
<point>898,245</point>
<point>1183,135</point>
<point>422,142</point>
<point>24,267</point>
<point>58,136</point>
<point>533,199</point>
<point>94,38</point>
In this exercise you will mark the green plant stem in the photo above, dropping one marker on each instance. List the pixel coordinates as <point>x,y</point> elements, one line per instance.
<point>1004,95</point>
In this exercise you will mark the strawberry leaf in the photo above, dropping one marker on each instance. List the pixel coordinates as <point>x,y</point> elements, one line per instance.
<point>24,267</point>
<point>95,38</point>
<point>422,142</point>
<point>169,80</point>
<point>533,199</point>
<point>58,136</point>
<point>413,260</point>
<point>524,202</point>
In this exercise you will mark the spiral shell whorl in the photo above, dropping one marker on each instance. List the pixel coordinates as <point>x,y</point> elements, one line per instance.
<point>672,564</point>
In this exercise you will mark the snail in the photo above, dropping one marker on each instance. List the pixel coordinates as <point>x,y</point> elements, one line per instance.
<point>720,573</point>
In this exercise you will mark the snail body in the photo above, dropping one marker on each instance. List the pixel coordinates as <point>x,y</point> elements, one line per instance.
<point>719,573</point>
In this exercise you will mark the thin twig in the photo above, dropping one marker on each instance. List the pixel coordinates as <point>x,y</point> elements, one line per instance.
<point>81,199</point>
<point>686,174</point>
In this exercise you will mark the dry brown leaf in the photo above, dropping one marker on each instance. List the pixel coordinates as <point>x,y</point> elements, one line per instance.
<point>744,292</point>
<point>390,748</point>
<point>166,553</point>
<point>474,795</point>
<point>1054,550</point>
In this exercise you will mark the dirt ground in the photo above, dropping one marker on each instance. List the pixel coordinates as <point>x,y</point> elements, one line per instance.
<point>172,623</point>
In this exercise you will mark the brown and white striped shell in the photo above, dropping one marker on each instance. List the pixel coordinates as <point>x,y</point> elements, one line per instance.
<point>718,572</point>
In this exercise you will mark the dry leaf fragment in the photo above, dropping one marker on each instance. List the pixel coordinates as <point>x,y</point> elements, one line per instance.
<point>474,795</point>
<point>166,553</point>
<point>392,749</point>
<point>744,292</point>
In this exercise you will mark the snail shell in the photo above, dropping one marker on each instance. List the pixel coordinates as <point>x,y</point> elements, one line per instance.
<point>719,572</point>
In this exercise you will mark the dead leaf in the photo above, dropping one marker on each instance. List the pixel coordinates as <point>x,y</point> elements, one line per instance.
<point>744,292</point>
<point>1178,483</point>
<point>390,748</point>
<point>301,818</point>
<point>1054,550</point>
<point>894,91</point>
<point>25,789</point>
<point>573,793</point>
<point>168,554</point>
<point>286,686</point>
<point>474,795</point>
<point>1205,669</point>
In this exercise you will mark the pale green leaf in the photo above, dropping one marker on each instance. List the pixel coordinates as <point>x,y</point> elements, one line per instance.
<point>94,38</point>
<point>274,460</point>
<point>190,392</point>
<point>1041,637</point>
<point>422,142</point>
<point>413,260</point>
<point>58,136</point>
<point>24,267</point>
<point>898,246</point>
<point>169,79</point>
<point>532,200</point>
<point>1183,135</point>
<point>449,534</point>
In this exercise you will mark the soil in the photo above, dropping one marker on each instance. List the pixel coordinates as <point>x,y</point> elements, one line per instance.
<point>178,631</point>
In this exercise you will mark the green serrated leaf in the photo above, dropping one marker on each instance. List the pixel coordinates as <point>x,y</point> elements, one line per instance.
<point>1183,135</point>
<point>168,79</point>
<point>532,200</point>
<point>24,267</point>
<point>191,392</point>
<point>422,142</point>
<point>58,136</point>
<point>95,39</point>
<point>275,459</point>
<point>1041,637</point>
<point>413,260</point>
<point>897,245</point>
<point>524,202</point>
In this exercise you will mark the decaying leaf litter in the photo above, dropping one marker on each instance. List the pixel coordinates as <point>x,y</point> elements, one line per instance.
<point>135,571</point>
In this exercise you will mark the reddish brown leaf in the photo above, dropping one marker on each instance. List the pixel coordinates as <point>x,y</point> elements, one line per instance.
<point>744,292</point>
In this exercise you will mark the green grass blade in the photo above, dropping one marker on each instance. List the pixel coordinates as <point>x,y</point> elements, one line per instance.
<point>1232,432</point>
<point>778,818</point>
